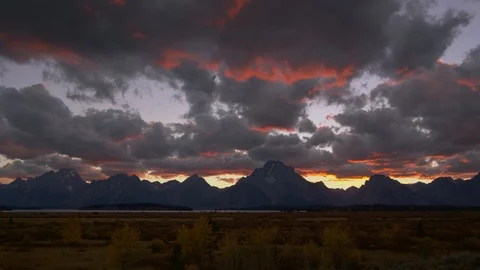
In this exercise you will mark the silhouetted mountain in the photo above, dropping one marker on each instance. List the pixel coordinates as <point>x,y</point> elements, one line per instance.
<point>192,192</point>
<point>120,188</point>
<point>381,189</point>
<point>281,185</point>
<point>273,185</point>
<point>52,189</point>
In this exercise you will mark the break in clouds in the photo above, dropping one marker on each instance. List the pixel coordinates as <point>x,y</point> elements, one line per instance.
<point>266,62</point>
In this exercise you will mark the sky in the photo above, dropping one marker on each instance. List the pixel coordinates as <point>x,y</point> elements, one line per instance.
<point>338,89</point>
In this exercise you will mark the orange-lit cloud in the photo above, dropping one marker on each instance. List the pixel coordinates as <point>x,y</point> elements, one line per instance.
<point>473,84</point>
<point>282,71</point>
<point>24,49</point>
<point>403,74</point>
<point>174,58</point>
<point>263,68</point>
<point>441,61</point>
<point>267,129</point>
<point>209,154</point>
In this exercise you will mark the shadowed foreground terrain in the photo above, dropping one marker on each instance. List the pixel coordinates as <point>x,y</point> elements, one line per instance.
<point>187,240</point>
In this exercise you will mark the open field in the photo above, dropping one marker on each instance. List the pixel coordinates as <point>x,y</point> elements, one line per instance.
<point>322,240</point>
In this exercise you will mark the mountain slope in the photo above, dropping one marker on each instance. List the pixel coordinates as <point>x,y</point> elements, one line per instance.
<point>275,184</point>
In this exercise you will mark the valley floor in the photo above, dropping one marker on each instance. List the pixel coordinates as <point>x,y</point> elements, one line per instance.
<point>375,240</point>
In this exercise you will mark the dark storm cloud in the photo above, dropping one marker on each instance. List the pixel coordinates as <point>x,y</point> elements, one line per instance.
<point>116,125</point>
<point>444,102</point>
<point>293,151</point>
<point>418,40</point>
<point>155,142</point>
<point>467,162</point>
<point>264,104</point>
<point>377,131</point>
<point>322,136</point>
<point>431,126</point>
<point>114,168</point>
<point>350,170</point>
<point>199,87</point>
<point>233,163</point>
<point>35,122</point>
<point>209,135</point>
<point>42,164</point>
<point>307,126</point>
<point>22,169</point>
<point>98,47</point>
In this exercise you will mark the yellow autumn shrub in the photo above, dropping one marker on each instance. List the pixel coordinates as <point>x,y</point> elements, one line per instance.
<point>338,249</point>
<point>124,241</point>
<point>196,242</point>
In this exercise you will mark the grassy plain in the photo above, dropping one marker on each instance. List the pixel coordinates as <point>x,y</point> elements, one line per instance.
<point>371,240</point>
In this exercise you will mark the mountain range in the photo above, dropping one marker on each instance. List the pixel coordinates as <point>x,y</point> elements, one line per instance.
<point>275,184</point>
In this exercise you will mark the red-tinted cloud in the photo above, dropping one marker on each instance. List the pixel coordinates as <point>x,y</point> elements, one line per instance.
<point>209,154</point>
<point>282,71</point>
<point>473,84</point>
<point>139,35</point>
<point>173,58</point>
<point>231,13</point>
<point>25,49</point>
<point>119,2</point>
<point>267,129</point>
<point>264,68</point>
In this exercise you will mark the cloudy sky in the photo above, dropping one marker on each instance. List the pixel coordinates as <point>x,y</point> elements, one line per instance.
<point>339,89</point>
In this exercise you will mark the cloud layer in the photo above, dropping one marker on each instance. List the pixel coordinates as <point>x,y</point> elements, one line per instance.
<point>265,62</point>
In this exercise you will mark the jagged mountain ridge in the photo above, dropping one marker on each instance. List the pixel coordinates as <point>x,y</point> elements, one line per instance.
<point>275,184</point>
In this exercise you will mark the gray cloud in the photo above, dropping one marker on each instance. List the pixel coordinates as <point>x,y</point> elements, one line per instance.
<point>307,126</point>
<point>116,125</point>
<point>45,125</point>
<point>42,164</point>
<point>263,65</point>
<point>442,104</point>
<point>293,151</point>
<point>155,142</point>
<point>323,136</point>
<point>210,135</point>
<point>417,40</point>
<point>233,163</point>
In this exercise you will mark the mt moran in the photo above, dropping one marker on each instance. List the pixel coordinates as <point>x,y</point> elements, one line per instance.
<point>275,184</point>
